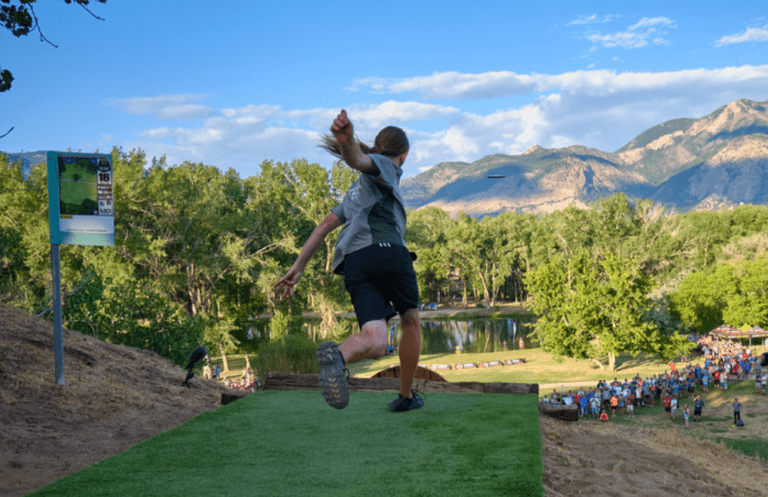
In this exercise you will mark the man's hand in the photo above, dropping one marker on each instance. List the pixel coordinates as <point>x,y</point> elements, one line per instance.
<point>342,129</point>
<point>287,282</point>
<point>344,133</point>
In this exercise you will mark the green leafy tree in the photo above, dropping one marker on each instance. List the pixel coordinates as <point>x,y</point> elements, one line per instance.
<point>425,235</point>
<point>592,307</point>
<point>132,314</point>
<point>699,300</point>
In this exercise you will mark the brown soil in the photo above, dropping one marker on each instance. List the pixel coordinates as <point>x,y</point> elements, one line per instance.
<point>606,459</point>
<point>118,396</point>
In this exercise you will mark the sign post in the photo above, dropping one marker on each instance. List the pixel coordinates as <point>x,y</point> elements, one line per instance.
<point>81,212</point>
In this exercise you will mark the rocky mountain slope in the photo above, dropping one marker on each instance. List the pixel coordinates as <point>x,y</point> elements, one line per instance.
<point>717,160</point>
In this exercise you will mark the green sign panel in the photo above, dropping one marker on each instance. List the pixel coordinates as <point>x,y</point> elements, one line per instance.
<point>81,205</point>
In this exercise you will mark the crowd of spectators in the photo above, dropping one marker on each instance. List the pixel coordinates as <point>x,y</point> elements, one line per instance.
<point>678,389</point>
<point>248,382</point>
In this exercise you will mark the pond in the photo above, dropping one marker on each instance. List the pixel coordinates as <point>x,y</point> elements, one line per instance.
<point>444,336</point>
<point>476,335</point>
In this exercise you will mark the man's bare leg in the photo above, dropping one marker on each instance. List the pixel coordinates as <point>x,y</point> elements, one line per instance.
<point>370,343</point>
<point>410,348</point>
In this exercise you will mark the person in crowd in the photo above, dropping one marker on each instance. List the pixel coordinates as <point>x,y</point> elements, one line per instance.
<point>698,406</point>
<point>736,411</point>
<point>673,409</point>
<point>583,406</point>
<point>685,415</point>
<point>691,382</point>
<point>631,407</point>
<point>603,416</point>
<point>594,406</point>
<point>207,371</point>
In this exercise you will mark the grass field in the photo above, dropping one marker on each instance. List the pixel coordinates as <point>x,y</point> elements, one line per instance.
<point>540,367</point>
<point>292,443</point>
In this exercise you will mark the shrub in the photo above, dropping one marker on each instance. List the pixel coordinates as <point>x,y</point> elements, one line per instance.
<point>288,354</point>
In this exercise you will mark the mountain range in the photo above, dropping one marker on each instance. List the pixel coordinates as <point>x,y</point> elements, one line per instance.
<point>717,161</point>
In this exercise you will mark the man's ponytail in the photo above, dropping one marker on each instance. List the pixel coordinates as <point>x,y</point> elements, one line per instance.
<point>390,142</point>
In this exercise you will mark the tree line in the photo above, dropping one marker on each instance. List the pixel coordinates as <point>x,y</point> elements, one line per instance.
<point>198,250</point>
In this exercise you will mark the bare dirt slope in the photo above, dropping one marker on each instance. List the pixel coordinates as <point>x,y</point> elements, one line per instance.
<point>606,459</point>
<point>119,396</point>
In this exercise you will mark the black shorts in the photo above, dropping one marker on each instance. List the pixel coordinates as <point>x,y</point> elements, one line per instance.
<point>381,282</point>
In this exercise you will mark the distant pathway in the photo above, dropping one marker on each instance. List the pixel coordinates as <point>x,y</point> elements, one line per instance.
<point>546,387</point>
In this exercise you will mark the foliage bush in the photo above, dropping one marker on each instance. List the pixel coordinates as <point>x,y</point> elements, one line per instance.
<point>288,354</point>
<point>132,315</point>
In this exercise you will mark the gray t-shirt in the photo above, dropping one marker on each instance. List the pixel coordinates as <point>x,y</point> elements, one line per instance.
<point>372,211</point>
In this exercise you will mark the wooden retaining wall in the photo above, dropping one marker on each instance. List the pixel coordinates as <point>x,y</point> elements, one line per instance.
<point>292,381</point>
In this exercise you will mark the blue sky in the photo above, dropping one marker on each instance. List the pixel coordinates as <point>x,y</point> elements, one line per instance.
<point>232,84</point>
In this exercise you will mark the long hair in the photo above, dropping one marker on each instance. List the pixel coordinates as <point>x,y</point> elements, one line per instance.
<point>390,142</point>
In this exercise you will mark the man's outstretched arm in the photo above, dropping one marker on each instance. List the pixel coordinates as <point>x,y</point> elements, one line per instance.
<point>292,277</point>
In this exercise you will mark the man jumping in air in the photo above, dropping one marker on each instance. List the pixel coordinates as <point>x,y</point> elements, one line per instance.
<point>372,256</point>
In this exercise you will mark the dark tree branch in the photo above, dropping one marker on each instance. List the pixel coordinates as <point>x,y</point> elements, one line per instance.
<point>7,133</point>
<point>83,5</point>
<point>37,27</point>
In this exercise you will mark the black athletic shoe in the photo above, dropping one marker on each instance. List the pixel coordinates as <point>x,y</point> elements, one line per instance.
<point>333,380</point>
<point>402,404</point>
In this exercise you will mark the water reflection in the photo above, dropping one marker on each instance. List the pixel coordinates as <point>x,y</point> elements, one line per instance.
<point>478,335</point>
<point>438,336</point>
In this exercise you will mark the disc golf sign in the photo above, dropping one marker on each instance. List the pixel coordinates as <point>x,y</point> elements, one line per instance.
<point>80,199</point>
<point>81,211</point>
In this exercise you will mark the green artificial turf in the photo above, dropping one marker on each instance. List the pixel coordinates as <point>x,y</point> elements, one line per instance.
<point>292,443</point>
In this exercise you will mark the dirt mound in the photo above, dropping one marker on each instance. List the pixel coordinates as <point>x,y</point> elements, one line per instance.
<point>116,397</point>
<point>605,459</point>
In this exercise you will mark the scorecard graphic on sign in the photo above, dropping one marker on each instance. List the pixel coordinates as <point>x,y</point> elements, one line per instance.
<point>80,199</point>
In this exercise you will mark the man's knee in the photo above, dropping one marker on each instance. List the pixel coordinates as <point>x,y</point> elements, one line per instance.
<point>377,339</point>
<point>410,318</point>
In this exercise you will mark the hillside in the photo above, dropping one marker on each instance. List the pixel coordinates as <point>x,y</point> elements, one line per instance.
<point>115,397</point>
<point>683,163</point>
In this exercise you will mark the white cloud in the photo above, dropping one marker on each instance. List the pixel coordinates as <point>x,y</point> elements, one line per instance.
<point>647,30</point>
<point>457,86</point>
<point>246,136</point>
<point>592,19</point>
<point>165,107</point>
<point>749,35</point>
<point>186,112</point>
<point>651,23</point>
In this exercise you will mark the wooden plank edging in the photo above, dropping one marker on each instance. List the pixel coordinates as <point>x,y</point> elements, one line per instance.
<point>294,381</point>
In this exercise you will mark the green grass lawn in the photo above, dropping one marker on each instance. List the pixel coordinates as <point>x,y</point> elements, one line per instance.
<point>540,367</point>
<point>292,443</point>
